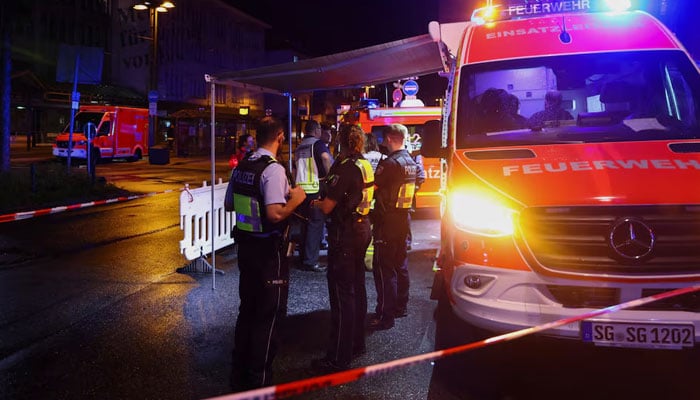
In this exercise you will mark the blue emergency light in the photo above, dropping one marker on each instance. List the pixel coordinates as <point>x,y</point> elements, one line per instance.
<point>523,9</point>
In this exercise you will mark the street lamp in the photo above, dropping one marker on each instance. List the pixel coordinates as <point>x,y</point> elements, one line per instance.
<point>153,10</point>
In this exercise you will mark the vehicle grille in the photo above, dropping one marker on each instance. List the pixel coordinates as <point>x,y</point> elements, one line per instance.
<point>63,144</point>
<point>685,302</point>
<point>596,297</point>
<point>583,296</point>
<point>576,239</point>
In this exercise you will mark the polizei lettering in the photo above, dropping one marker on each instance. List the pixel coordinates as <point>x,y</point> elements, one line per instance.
<point>549,8</point>
<point>574,166</point>
<point>244,177</point>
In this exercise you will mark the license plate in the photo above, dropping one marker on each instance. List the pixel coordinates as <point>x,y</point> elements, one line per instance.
<point>648,336</point>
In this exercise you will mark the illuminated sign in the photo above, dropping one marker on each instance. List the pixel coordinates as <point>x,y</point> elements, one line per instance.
<point>548,8</point>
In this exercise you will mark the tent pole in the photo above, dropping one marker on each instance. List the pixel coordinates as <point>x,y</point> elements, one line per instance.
<point>214,221</point>
<point>289,127</point>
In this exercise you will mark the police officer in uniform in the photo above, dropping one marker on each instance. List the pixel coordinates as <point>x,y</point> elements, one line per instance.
<point>395,182</point>
<point>312,162</point>
<point>263,199</point>
<point>349,193</point>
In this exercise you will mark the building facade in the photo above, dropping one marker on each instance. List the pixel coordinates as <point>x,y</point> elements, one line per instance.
<point>195,37</point>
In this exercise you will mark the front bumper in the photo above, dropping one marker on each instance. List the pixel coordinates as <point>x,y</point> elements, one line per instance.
<point>508,300</point>
<point>76,153</point>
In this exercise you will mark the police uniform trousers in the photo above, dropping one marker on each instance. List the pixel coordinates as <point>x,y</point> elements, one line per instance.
<point>346,288</point>
<point>263,290</point>
<point>312,231</point>
<point>391,275</point>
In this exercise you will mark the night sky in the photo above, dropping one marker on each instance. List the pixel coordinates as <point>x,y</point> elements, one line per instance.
<point>321,27</point>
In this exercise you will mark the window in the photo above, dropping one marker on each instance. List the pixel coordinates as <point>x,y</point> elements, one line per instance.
<point>220,93</point>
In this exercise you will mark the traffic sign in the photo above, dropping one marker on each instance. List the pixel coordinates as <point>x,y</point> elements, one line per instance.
<point>396,95</point>
<point>410,88</point>
<point>152,96</point>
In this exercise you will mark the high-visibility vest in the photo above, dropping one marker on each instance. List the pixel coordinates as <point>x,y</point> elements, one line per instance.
<point>399,194</point>
<point>368,190</point>
<point>307,176</point>
<point>364,201</point>
<point>248,201</point>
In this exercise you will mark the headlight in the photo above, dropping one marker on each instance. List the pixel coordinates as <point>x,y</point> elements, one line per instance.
<point>481,215</point>
<point>82,142</point>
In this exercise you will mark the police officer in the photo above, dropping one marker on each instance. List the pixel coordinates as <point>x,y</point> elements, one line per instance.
<point>263,199</point>
<point>349,193</point>
<point>312,162</point>
<point>395,182</point>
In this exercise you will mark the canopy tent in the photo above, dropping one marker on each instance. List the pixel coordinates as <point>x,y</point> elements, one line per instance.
<point>387,62</point>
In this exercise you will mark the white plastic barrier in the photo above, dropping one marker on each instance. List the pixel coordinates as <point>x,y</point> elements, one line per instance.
<point>195,220</point>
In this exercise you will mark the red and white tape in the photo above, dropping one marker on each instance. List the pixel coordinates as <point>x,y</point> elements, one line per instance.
<point>307,385</point>
<point>46,211</point>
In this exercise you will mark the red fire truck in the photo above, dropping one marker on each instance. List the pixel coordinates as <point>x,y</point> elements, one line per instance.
<point>119,132</point>
<point>376,119</point>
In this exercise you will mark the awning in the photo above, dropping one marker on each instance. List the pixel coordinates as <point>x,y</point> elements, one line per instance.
<point>387,62</point>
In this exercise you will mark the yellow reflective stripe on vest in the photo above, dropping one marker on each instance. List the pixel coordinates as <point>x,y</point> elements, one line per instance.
<point>307,170</point>
<point>405,197</point>
<point>307,175</point>
<point>368,190</point>
<point>248,217</point>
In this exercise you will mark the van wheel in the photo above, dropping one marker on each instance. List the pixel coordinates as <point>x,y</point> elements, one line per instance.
<point>137,155</point>
<point>468,372</point>
<point>450,330</point>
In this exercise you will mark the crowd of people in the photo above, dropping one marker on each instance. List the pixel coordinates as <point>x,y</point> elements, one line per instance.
<point>352,197</point>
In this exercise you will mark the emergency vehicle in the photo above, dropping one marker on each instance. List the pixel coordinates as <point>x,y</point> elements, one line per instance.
<point>120,132</point>
<point>556,215</point>
<point>376,119</point>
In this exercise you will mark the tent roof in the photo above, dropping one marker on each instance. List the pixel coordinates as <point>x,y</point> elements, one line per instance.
<point>414,56</point>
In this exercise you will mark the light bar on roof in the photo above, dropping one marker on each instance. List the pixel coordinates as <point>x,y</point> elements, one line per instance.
<point>524,9</point>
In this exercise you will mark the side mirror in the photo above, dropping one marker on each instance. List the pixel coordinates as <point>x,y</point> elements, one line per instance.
<point>432,140</point>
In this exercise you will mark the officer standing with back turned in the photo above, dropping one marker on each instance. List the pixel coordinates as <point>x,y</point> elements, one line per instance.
<point>395,181</point>
<point>263,199</point>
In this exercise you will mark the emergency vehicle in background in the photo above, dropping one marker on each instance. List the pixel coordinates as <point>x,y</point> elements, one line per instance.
<point>556,215</point>
<point>120,132</point>
<point>375,120</point>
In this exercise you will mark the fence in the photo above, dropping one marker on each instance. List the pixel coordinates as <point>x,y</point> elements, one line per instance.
<point>196,222</point>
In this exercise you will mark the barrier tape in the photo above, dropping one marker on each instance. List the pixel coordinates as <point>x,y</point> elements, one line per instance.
<point>307,385</point>
<point>46,211</point>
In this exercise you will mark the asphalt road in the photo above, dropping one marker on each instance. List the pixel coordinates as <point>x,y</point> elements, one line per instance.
<point>91,306</point>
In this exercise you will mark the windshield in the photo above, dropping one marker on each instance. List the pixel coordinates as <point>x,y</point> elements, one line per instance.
<point>585,98</point>
<point>82,118</point>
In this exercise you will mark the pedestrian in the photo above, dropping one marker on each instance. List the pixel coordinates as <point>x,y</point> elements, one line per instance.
<point>312,160</point>
<point>263,198</point>
<point>371,151</point>
<point>246,145</point>
<point>350,189</point>
<point>327,139</point>
<point>413,148</point>
<point>395,182</point>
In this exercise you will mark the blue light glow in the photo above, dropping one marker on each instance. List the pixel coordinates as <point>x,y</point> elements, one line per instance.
<point>619,5</point>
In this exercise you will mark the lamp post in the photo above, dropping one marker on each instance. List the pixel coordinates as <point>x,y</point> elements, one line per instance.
<point>153,10</point>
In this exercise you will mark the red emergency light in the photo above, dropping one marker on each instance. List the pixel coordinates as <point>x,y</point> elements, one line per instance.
<point>518,9</point>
